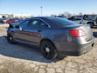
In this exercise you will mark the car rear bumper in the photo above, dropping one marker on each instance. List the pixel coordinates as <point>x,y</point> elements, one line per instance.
<point>84,48</point>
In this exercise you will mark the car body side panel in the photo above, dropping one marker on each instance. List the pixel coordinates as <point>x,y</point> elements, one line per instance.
<point>58,37</point>
<point>65,42</point>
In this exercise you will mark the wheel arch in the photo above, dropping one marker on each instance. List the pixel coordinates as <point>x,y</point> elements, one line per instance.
<point>46,39</point>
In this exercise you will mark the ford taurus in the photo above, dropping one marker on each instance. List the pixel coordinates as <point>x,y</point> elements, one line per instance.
<point>55,36</point>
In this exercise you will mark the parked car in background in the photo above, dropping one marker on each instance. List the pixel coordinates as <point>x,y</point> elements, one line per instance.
<point>56,37</point>
<point>78,19</point>
<point>91,18</point>
<point>1,21</point>
<point>12,20</point>
<point>85,19</point>
<point>12,25</point>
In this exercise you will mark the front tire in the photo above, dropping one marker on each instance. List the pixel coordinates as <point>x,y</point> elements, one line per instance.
<point>10,39</point>
<point>48,50</point>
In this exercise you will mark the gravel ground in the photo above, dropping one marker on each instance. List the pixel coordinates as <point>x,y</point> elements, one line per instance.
<point>23,59</point>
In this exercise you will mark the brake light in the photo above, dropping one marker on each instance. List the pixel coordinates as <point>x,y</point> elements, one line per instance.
<point>77,32</point>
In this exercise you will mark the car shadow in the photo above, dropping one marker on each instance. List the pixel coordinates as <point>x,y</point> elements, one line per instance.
<point>21,51</point>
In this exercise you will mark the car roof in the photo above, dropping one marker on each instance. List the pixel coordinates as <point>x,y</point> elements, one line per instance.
<point>53,21</point>
<point>44,17</point>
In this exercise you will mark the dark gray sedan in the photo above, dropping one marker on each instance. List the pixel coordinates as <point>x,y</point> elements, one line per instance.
<point>56,37</point>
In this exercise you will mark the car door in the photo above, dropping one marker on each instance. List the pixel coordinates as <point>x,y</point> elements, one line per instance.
<point>30,32</point>
<point>33,31</point>
<point>19,33</point>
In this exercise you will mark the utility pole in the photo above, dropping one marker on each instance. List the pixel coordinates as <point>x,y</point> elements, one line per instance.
<point>41,10</point>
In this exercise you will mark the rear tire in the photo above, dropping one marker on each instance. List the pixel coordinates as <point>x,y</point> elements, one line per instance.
<point>48,50</point>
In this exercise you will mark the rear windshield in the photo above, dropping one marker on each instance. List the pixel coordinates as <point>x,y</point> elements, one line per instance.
<point>61,22</point>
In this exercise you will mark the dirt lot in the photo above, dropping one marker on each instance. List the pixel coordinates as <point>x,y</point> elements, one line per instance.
<point>23,59</point>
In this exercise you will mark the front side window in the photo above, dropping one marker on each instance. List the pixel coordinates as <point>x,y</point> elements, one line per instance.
<point>24,23</point>
<point>37,24</point>
<point>34,24</point>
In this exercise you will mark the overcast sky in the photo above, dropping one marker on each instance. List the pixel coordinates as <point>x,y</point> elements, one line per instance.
<point>49,6</point>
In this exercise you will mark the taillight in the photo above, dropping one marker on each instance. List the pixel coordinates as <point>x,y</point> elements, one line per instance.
<point>77,32</point>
